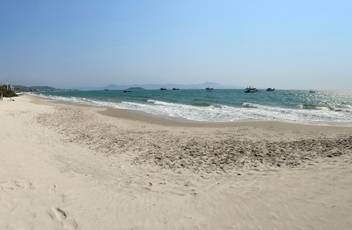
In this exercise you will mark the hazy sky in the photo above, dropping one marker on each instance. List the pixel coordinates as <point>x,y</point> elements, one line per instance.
<point>76,43</point>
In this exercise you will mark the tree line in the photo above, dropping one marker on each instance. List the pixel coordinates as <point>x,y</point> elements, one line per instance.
<point>7,91</point>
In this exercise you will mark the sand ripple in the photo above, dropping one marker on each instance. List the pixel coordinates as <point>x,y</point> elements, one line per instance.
<point>220,150</point>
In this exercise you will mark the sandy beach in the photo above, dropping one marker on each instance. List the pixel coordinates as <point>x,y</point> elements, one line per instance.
<point>66,166</point>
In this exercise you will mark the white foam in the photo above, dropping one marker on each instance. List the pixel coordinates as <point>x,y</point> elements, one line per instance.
<point>223,113</point>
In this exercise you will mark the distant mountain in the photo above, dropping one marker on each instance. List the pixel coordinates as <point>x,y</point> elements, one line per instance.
<point>34,87</point>
<point>111,87</point>
<point>135,88</point>
<point>167,86</point>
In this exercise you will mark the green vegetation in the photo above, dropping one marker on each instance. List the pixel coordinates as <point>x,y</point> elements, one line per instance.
<point>7,93</point>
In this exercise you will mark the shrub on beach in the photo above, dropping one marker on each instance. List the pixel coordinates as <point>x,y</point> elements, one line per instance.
<point>7,92</point>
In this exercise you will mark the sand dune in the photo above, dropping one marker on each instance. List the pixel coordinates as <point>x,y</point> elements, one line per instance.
<point>77,167</point>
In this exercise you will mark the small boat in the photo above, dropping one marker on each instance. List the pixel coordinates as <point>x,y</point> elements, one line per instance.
<point>311,91</point>
<point>162,88</point>
<point>127,91</point>
<point>270,89</point>
<point>209,89</point>
<point>175,89</point>
<point>251,89</point>
<point>106,89</point>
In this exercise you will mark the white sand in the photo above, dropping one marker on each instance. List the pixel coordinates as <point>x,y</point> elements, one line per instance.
<point>69,167</point>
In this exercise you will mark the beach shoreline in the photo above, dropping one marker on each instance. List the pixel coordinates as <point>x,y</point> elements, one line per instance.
<point>173,121</point>
<point>81,167</point>
<point>193,106</point>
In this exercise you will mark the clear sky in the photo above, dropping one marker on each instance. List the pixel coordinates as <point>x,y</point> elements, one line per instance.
<point>78,43</point>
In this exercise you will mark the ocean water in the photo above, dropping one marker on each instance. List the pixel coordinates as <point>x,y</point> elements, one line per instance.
<point>224,105</point>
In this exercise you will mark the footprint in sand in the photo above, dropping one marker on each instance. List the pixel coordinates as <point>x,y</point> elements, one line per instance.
<point>68,223</point>
<point>60,215</point>
<point>52,189</point>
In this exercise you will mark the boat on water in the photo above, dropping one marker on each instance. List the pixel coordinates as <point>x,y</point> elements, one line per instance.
<point>270,89</point>
<point>106,89</point>
<point>311,91</point>
<point>127,91</point>
<point>162,88</point>
<point>251,89</point>
<point>175,89</point>
<point>209,89</point>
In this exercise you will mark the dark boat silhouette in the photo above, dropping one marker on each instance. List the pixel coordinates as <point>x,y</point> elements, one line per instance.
<point>251,89</point>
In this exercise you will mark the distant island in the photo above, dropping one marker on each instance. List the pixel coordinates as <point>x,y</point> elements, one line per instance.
<point>135,88</point>
<point>168,86</point>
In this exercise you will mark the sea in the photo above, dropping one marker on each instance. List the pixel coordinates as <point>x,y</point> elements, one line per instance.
<point>223,105</point>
